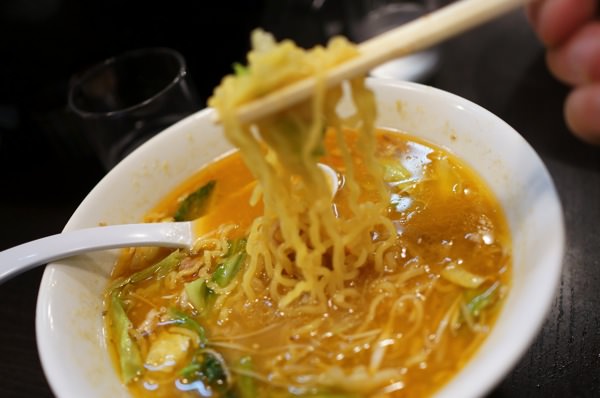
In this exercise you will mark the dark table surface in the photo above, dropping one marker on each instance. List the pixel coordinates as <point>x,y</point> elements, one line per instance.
<point>499,66</point>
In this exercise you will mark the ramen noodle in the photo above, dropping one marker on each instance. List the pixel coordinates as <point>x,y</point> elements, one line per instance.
<point>384,287</point>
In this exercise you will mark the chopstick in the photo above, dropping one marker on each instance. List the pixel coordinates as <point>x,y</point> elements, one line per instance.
<point>419,34</point>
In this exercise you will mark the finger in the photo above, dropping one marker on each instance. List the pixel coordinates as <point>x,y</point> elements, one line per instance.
<point>556,20</point>
<point>533,9</point>
<point>582,113</point>
<point>577,62</point>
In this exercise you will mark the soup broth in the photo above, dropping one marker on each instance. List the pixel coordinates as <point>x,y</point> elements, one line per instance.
<point>184,325</point>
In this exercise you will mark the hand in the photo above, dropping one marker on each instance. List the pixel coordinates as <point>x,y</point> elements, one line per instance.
<point>571,32</point>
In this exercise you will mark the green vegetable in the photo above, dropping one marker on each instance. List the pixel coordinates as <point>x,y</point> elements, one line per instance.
<point>319,150</point>
<point>484,299</point>
<point>246,385</point>
<point>201,296</point>
<point>182,319</point>
<point>160,269</point>
<point>207,367</point>
<point>461,276</point>
<point>289,133</point>
<point>194,205</point>
<point>448,181</point>
<point>225,272</point>
<point>240,69</point>
<point>213,369</point>
<point>393,170</point>
<point>130,360</point>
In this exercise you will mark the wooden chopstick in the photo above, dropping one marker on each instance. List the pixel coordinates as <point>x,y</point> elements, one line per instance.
<point>408,38</point>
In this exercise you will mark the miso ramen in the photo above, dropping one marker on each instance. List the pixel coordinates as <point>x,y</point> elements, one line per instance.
<point>403,330</point>
<point>382,286</point>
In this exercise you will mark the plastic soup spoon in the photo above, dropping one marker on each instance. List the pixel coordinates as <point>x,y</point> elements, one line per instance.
<point>21,258</point>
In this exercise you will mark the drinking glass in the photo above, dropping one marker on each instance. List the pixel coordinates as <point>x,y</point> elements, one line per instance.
<point>125,100</point>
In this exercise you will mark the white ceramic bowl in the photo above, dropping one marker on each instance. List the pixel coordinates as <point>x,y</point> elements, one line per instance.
<point>69,322</point>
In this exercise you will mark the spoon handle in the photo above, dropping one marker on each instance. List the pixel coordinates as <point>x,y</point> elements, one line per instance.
<point>21,258</point>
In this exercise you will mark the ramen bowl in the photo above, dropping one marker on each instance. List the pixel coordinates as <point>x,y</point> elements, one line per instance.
<point>69,322</point>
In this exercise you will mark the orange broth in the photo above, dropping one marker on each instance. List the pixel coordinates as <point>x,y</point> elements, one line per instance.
<point>444,215</point>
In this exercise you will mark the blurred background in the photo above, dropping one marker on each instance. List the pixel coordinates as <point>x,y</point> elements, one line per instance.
<point>47,167</point>
<point>44,43</point>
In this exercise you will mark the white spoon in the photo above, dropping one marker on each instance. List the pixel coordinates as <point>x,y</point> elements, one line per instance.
<point>21,258</point>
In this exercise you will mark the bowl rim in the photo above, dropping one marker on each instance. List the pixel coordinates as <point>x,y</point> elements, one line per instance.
<point>510,357</point>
